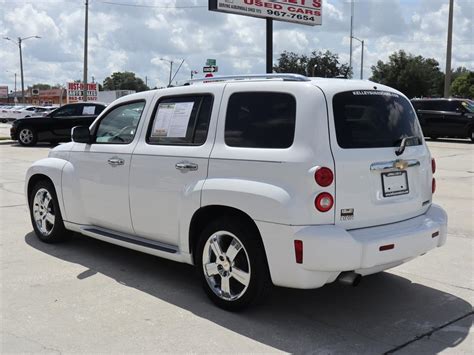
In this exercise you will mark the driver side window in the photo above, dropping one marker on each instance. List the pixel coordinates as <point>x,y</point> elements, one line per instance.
<point>119,125</point>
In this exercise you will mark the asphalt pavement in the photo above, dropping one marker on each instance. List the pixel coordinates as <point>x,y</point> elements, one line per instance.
<point>87,296</point>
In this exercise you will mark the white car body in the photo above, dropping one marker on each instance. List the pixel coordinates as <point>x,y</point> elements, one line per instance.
<point>148,205</point>
<point>27,111</point>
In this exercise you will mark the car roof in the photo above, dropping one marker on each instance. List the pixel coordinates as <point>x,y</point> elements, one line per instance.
<point>327,85</point>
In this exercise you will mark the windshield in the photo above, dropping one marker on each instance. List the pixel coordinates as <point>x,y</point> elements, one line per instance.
<point>374,119</point>
<point>469,106</point>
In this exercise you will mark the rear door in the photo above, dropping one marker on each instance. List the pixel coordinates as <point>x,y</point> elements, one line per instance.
<point>374,185</point>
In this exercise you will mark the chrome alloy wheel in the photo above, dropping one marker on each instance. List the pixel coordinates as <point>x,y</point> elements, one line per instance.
<point>227,272</point>
<point>43,211</point>
<point>26,136</point>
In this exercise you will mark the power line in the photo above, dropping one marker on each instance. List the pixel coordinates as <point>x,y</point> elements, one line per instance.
<point>152,6</point>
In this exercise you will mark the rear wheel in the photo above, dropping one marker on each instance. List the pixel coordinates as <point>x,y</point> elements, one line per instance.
<point>232,265</point>
<point>45,213</point>
<point>27,136</point>
<point>471,135</point>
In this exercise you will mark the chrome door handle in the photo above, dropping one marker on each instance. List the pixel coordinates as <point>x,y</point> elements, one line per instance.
<point>115,161</point>
<point>186,166</point>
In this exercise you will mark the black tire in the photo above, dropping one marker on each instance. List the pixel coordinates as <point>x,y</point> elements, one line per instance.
<point>27,136</point>
<point>259,284</point>
<point>52,232</point>
<point>471,135</point>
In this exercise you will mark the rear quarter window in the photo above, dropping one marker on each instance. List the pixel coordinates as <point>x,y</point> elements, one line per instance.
<point>373,119</point>
<point>260,120</point>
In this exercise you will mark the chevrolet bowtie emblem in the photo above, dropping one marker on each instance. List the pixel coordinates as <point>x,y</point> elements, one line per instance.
<point>400,164</point>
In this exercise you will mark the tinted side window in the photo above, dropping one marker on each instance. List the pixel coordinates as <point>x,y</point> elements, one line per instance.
<point>99,109</point>
<point>67,111</point>
<point>260,120</point>
<point>181,120</point>
<point>120,124</point>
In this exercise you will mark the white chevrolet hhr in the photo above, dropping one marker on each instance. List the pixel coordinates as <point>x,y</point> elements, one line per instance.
<point>257,180</point>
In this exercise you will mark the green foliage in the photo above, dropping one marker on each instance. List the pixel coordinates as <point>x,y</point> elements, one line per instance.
<point>414,76</point>
<point>124,81</point>
<point>41,86</point>
<point>317,64</point>
<point>463,85</point>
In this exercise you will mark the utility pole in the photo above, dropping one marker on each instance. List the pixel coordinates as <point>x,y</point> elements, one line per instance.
<point>20,41</point>
<point>269,40</point>
<point>21,71</point>
<point>350,41</point>
<point>171,71</point>
<point>86,25</point>
<point>447,77</point>
<point>361,57</point>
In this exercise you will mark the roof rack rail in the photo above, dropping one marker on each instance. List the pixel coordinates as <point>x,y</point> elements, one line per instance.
<point>284,77</point>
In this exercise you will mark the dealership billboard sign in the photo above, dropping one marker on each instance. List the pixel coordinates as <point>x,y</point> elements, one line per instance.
<point>75,92</point>
<point>306,12</point>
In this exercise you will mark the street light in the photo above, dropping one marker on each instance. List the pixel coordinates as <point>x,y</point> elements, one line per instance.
<point>171,69</point>
<point>361,57</point>
<point>20,40</point>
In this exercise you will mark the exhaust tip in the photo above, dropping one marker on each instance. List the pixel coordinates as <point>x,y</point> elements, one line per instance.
<point>349,278</point>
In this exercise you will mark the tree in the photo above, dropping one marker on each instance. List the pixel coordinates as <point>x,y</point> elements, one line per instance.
<point>317,64</point>
<point>414,76</point>
<point>463,85</point>
<point>124,81</point>
<point>41,86</point>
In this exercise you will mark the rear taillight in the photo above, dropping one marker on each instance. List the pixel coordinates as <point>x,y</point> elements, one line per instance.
<point>323,176</point>
<point>433,165</point>
<point>433,186</point>
<point>324,202</point>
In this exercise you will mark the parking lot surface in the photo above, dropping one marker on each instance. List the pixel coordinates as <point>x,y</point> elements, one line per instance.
<point>86,296</point>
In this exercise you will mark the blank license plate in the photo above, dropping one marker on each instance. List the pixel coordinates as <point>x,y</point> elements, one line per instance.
<point>394,183</point>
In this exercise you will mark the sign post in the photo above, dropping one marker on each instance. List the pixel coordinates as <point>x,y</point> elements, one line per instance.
<point>305,12</point>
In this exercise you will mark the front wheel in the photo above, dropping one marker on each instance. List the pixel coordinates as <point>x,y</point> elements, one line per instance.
<point>232,264</point>
<point>45,213</point>
<point>27,137</point>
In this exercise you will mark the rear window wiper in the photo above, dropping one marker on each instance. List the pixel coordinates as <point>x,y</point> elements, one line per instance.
<point>403,144</point>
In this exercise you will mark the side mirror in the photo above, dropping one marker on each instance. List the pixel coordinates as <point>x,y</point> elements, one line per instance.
<point>81,134</point>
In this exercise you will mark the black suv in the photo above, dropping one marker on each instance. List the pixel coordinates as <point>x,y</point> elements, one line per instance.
<point>446,117</point>
<point>55,126</point>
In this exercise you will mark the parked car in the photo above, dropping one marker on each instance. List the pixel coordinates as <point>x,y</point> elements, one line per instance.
<point>446,117</point>
<point>26,111</point>
<point>45,111</point>
<point>5,113</point>
<point>274,179</point>
<point>56,126</point>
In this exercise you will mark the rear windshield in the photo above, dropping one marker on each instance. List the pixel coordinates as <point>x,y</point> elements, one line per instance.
<point>374,119</point>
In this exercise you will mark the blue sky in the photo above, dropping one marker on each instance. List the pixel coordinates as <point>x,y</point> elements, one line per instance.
<point>135,38</point>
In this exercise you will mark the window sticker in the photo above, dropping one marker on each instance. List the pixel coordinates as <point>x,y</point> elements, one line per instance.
<point>172,120</point>
<point>374,93</point>
<point>88,110</point>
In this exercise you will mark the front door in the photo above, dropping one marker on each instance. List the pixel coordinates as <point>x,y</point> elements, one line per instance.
<point>169,167</point>
<point>103,168</point>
